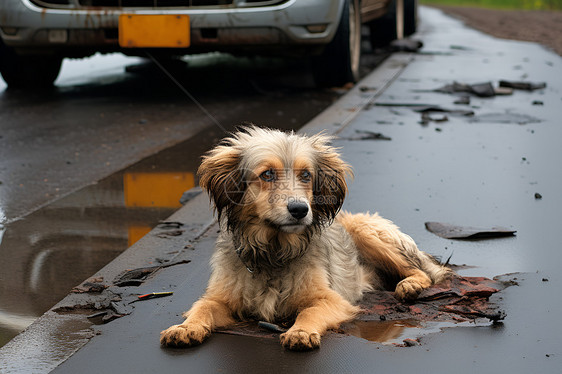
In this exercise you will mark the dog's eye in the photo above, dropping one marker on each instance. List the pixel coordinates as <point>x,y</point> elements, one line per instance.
<point>306,176</point>
<point>268,175</point>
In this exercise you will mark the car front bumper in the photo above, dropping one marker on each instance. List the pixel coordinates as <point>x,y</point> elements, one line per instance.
<point>287,25</point>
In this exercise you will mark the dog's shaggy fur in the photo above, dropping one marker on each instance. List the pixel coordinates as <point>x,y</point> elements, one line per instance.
<point>284,251</point>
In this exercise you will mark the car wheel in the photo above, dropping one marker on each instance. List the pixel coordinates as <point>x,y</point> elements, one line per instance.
<point>28,71</point>
<point>410,17</point>
<point>387,28</point>
<point>339,62</point>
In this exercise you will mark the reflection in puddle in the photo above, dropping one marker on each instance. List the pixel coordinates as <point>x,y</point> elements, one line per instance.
<point>57,247</point>
<point>395,332</point>
<point>382,331</point>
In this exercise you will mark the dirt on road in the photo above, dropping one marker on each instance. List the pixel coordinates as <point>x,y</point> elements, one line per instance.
<point>543,27</point>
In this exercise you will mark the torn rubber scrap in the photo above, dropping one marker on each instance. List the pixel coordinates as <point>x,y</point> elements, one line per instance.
<point>106,316</point>
<point>136,277</point>
<point>485,89</point>
<point>449,231</point>
<point>92,285</point>
<point>462,100</point>
<point>103,308</point>
<point>438,109</point>
<point>429,108</point>
<point>271,327</point>
<point>368,135</point>
<point>459,299</point>
<point>426,118</point>
<point>256,329</point>
<point>169,225</point>
<point>527,86</point>
<point>406,45</point>
<point>507,118</point>
<point>170,233</point>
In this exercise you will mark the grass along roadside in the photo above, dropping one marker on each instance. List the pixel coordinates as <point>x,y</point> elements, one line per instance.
<point>538,26</point>
<point>500,4</point>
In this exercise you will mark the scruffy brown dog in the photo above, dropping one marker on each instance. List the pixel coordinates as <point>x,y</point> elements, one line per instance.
<point>284,252</point>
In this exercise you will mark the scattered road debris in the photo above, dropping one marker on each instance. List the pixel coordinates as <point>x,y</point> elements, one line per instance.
<point>169,225</point>
<point>485,89</point>
<point>190,194</point>
<point>105,316</point>
<point>136,277</point>
<point>406,45</point>
<point>426,118</point>
<point>463,100</point>
<point>449,231</point>
<point>368,135</point>
<point>105,307</point>
<point>152,295</point>
<point>170,233</point>
<point>507,118</point>
<point>428,108</point>
<point>459,299</point>
<point>527,86</point>
<point>439,109</point>
<point>411,342</point>
<point>172,229</point>
<point>538,196</point>
<point>92,285</point>
<point>271,327</point>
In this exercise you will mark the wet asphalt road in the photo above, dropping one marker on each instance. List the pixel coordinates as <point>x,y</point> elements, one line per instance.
<point>480,171</point>
<point>92,165</point>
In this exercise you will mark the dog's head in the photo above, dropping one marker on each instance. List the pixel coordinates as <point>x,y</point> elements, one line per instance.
<point>281,181</point>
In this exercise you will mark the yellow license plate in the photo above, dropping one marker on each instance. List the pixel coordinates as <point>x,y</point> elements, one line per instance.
<point>154,31</point>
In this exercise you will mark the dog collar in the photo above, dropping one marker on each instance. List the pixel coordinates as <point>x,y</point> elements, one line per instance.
<point>239,253</point>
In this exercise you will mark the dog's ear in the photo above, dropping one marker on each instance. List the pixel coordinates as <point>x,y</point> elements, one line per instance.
<point>220,175</point>
<point>330,187</point>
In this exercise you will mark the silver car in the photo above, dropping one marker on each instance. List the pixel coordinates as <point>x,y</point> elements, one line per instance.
<point>35,35</point>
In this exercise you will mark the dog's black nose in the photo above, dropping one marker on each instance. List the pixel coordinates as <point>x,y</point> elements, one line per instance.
<point>297,209</point>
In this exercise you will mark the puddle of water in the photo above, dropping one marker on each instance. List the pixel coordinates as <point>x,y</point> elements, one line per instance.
<point>395,332</point>
<point>55,248</point>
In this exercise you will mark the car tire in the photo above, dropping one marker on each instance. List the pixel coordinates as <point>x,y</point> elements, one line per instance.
<point>339,62</point>
<point>385,29</point>
<point>410,17</point>
<point>29,71</point>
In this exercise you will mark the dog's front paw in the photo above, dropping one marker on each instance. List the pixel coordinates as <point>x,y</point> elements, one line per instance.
<point>408,289</point>
<point>300,340</point>
<point>184,336</point>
